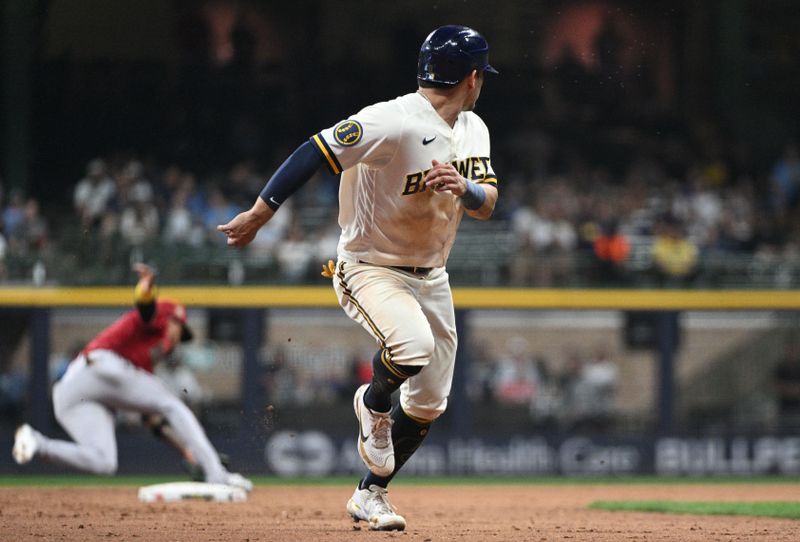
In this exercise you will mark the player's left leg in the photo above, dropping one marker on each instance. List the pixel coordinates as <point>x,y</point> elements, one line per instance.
<point>423,398</point>
<point>386,303</point>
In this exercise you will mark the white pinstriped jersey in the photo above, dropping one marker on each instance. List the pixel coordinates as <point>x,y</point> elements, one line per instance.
<point>387,215</point>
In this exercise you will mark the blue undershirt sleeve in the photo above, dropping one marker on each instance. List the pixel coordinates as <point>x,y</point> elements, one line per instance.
<point>293,173</point>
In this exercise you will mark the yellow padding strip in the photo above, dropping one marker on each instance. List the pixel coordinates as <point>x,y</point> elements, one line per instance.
<point>464,298</point>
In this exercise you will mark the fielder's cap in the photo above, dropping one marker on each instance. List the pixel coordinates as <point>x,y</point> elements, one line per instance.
<point>451,52</point>
<point>170,308</point>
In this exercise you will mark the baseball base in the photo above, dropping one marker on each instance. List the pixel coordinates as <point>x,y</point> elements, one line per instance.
<point>191,491</point>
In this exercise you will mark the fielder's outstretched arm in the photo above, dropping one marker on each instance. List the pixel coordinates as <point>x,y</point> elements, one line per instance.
<point>145,295</point>
<point>293,173</point>
<point>145,292</point>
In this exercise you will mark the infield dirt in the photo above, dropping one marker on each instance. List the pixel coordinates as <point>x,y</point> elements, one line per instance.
<point>434,514</point>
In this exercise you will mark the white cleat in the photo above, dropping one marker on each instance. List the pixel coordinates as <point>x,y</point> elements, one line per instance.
<point>374,436</point>
<point>237,480</point>
<point>25,444</point>
<point>372,505</point>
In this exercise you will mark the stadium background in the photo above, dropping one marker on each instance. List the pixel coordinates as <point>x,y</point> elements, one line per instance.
<point>648,226</point>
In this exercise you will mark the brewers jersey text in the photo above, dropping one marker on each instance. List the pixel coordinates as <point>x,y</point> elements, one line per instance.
<point>387,214</point>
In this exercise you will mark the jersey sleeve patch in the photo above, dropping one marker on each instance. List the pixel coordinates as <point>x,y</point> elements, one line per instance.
<point>348,132</point>
<point>327,153</point>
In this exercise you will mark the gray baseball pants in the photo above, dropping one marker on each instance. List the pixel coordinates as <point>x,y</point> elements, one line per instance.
<point>84,400</point>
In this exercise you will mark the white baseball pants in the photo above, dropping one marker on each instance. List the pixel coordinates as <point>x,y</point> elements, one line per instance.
<point>412,317</point>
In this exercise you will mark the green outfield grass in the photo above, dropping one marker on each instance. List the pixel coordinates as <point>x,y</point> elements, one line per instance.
<point>777,509</point>
<point>67,480</point>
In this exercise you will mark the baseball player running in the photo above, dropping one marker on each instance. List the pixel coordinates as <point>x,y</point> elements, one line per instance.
<point>114,371</point>
<point>410,168</point>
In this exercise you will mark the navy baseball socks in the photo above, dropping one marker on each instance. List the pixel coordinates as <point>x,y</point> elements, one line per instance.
<point>407,436</point>
<point>372,403</point>
<point>370,500</point>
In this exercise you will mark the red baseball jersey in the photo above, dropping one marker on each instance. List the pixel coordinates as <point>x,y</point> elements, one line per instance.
<point>133,338</point>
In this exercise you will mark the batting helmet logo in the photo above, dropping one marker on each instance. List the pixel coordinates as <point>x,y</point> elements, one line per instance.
<point>348,133</point>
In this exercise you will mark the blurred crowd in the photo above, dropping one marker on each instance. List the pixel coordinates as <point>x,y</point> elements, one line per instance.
<point>577,392</point>
<point>24,231</point>
<point>122,208</point>
<point>574,220</point>
<point>649,223</point>
<point>574,392</point>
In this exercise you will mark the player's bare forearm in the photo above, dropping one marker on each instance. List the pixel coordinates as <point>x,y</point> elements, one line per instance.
<point>243,228</point>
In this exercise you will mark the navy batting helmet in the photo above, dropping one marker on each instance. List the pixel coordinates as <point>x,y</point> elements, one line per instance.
<point>450,52</point>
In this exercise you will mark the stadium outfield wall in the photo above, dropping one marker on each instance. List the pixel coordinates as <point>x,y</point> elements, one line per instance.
<point>287,450</point>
